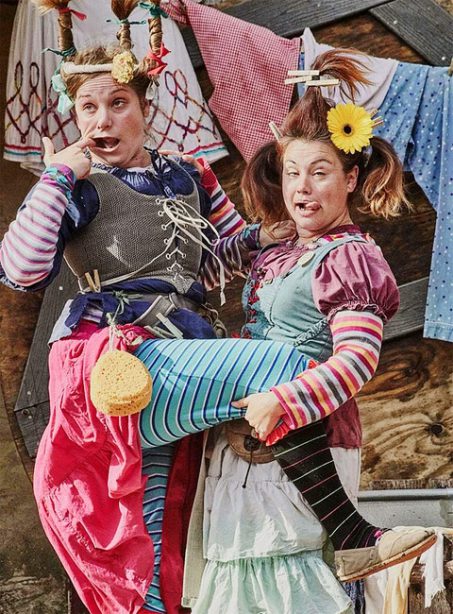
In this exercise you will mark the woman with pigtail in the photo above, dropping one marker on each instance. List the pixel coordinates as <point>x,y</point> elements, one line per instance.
<point>135,229</point>
<point>141,232</point>
<point>327,293</point>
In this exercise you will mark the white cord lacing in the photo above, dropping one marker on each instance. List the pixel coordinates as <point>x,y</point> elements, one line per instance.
<point>179,213</point>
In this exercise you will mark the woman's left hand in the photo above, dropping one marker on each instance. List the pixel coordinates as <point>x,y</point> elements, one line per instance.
<point>263,412</point>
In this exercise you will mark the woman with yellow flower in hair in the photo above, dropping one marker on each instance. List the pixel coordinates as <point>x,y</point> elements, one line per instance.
<point>327,293</point>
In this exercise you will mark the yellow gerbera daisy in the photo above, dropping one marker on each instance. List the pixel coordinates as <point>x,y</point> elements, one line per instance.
<point>350,126</point>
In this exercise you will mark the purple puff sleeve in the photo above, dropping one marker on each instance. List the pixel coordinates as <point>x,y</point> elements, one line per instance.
<point>355,276</point>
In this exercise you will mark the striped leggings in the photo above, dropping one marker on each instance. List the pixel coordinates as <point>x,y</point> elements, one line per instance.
<point>194,382</point>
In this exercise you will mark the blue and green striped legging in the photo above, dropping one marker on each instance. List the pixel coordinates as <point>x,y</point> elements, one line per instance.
<point>194,382</point>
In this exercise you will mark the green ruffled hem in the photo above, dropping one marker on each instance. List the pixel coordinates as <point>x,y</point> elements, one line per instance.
<point>291,584</point>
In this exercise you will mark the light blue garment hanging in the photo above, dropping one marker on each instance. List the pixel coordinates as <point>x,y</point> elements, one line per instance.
<point>418,121</point>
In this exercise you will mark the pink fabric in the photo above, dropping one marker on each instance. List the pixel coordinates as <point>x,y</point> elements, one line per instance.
<point>247,65</point>
<point>352,276</point>
<point>88,482</point>
<point>355,276</point>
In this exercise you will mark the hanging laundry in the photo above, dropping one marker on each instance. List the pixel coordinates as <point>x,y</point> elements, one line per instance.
<point>247,65</point>
<point>247,69</point>
<point>180,116</point>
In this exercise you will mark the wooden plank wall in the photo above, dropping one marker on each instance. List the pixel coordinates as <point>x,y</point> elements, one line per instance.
<point>363,30</point>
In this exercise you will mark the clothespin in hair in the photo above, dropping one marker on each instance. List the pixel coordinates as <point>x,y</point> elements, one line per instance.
<point>275,131</point>
<point>377,121</point>
<point>309,78</point>
<point>93,284</point>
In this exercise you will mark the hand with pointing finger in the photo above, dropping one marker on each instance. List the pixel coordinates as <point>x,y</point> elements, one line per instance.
<point>186,157</point>
<point>263,412</point>
<point>75,156</point>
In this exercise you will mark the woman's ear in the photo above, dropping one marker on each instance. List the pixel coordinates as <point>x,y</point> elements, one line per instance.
<point>145,107</point>
<point>351,179</point>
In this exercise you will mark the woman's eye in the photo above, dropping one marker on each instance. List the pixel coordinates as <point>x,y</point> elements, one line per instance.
<point>319,173</point>
<point>292,173</point>
<point>119,102</point>
<point>88,107</point>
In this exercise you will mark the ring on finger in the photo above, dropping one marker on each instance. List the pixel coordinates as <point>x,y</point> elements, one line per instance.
<point>87,153</point>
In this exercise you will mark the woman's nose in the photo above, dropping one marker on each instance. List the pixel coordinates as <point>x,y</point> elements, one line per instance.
<point>303,185</point>
<point>103,119</point>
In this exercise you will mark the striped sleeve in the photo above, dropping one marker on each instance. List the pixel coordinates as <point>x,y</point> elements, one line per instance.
<point>29,246</point>
<point>317,392</point>
<point>234,253</point>
<point>224,215</point>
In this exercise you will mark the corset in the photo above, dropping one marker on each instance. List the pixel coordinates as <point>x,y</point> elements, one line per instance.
<point>136,235</point>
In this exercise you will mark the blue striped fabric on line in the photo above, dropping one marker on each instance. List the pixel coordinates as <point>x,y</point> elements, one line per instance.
<point>195,380</point>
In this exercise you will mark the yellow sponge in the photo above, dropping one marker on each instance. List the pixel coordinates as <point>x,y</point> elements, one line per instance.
<point>120,384</point>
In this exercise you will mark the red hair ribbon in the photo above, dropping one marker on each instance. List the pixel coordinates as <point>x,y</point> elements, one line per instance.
<point>78,14</point>
<point>157,57</point>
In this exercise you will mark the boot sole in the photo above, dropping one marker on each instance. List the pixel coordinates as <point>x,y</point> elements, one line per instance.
<point>396,560</point>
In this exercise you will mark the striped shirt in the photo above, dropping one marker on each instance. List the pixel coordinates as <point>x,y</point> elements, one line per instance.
<point>32,248</point>
<point>317,392</point>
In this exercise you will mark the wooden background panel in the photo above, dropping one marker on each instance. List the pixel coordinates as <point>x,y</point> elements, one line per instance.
<point>407,412</point>
<point>423,25</point>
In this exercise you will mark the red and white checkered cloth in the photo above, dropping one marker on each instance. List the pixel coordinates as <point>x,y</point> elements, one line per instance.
<point>247,65</point>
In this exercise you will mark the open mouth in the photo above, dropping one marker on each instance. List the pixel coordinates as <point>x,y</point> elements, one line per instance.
<point>307,207</point>
<point>106,143</point>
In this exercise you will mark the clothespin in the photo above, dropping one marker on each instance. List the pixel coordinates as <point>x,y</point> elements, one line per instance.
<point>275,131</point>
<point>450,68</point>
<point>309,78</point>
<point>377,121</point>
<point>93,284</point>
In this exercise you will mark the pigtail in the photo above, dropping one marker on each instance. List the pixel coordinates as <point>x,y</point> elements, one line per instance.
<point>339,64</point>
<point>155,36</point>
<point>65,37</point>
<point>122,9</point>
<point>382,192</point>
<point>261,186</point>
<point>308,117</point>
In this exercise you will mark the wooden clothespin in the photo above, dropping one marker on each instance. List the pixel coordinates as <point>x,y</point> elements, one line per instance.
<point>450,68</point>
<point>309,78</point>
<point>94,283</point>
<point>377,121</point>
<point>275,131</point>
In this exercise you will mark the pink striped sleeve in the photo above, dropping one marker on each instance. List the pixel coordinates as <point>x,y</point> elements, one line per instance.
<point>29,246</point>
<point>234,253</point>
<point>224,215</point>
<point>317,392</point>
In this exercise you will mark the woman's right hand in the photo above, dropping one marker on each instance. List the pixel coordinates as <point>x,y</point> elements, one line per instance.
<point>277,233</point>
<point>75,156</point>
